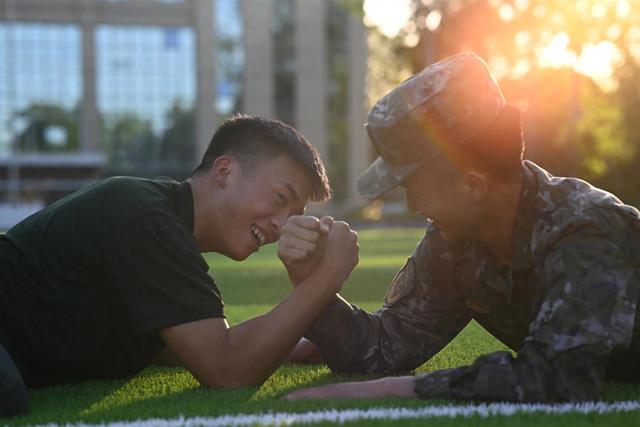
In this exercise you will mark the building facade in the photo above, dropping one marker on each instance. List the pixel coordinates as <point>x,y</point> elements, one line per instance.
<point>92,88</point>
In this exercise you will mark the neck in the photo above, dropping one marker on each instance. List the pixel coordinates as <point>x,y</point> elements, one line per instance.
<point>203,218</point>
<point>502,206</point>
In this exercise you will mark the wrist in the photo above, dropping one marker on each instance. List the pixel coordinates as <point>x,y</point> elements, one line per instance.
<point>295,279</point>
<point>399,386</point>
<point>319,287</point>
<point>296,272</point>
<point>328,274</point>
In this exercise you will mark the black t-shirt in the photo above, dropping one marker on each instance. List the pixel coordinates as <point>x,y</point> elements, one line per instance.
<point>86,284</point>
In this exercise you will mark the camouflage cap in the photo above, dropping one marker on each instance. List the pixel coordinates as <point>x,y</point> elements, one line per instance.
<point>446,103</point>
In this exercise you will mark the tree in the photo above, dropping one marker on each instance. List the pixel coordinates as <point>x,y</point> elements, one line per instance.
<point>46,128</point>
<point>129,143</point>
<point>572,68</point>
<point>177,143</point>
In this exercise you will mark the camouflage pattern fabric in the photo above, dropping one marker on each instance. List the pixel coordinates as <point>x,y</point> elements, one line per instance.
<point>446,103</point>
<point>567,303</point>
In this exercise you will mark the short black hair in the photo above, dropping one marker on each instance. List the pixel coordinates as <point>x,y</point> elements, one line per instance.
<point>497,150</point>
<point>251,139</point>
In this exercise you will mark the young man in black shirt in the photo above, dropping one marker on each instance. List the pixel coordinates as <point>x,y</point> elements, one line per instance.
<point>104,281</point>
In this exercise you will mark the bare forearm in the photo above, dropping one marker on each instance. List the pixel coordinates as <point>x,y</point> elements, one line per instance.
<point>256,347</point>
<point>246,354</point>
<point>374,389</point>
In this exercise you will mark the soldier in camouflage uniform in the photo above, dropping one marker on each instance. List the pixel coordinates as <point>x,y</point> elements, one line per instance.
<point>550,266</point>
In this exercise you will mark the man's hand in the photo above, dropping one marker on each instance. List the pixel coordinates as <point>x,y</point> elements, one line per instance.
<point>375,389</point>
<point>247,353</point>
<point>301,243</point>
<point>339,256</point>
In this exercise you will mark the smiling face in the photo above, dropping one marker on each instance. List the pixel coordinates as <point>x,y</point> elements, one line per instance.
<point>246,209</point>
<point>451,200</point>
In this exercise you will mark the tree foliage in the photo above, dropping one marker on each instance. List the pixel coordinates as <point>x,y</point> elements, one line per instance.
<point>46,128</point>
<point>571,67</point>
<point>133,147</point>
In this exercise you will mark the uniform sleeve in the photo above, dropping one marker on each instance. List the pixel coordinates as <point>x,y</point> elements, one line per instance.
<point>418,319</point>
<point>588,311</point>
<point>161,275</point>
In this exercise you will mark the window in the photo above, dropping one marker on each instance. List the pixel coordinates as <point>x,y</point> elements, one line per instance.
<point>40,87</point>
<point>145,95</point>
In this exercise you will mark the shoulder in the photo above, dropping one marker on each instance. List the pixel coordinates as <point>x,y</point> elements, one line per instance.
<point>557,194</point>
<point>563,205</point>
<point>428,276</point>
<point>137,193</point>
<point>436,249</point>
<point>437,259</point>
<point>121,201</point>
<point>432,245</point>
<point>129,187</point>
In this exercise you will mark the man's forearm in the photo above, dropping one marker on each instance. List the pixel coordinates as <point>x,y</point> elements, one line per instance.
<point>333,316</point>
<point>256,347</point>
<point>342,334</point>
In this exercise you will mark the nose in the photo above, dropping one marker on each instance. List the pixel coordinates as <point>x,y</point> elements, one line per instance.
<point>278,221</point>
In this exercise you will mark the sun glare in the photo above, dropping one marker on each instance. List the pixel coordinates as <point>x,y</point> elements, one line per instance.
<point>599,62</point>
<point>389,16</point>
<point>506,12</point>
<point>432,21</point>
<point>623,8</point>
<point>598,10</point>
<point>594,54</point>
<point>557,54</point>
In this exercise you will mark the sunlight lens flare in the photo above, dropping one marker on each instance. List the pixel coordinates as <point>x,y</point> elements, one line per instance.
<point>433,20</point>
<point>557,54</point>
<point>389,16</point>
<point>597,61</point>
<point>596,55</point>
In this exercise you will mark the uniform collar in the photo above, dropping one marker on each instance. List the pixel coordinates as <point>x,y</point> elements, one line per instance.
<point>521,236</point>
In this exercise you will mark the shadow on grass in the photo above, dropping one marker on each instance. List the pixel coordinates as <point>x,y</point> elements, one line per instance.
<point>171,393</point>
<point>64,402</point>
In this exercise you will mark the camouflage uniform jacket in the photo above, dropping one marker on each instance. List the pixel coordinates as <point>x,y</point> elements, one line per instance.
<point>566,304</point>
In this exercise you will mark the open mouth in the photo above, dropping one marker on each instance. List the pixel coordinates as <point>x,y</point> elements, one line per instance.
<point>258,235</point>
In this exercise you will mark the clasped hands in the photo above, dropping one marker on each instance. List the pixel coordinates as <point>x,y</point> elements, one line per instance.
<point>322,246</point>
<point>309,246</point>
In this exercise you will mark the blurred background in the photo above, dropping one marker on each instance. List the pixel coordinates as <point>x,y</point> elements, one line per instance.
<point>94,88</point>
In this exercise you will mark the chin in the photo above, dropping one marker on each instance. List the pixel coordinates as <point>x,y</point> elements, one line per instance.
<point>239,256</point>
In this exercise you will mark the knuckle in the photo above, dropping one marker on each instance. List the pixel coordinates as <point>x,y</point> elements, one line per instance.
<point>309,220</point>
<point>341,226</point>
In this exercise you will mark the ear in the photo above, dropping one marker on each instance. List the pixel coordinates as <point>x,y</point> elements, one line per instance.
<point>222,168</point>
<point>475,184</point>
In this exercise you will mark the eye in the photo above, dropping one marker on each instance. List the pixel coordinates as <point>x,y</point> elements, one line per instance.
<point>280,199</point>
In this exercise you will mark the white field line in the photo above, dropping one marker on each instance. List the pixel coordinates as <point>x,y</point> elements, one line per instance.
<point>345,415</point>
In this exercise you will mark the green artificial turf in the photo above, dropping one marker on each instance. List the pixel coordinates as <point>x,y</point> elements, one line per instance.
<point>252,288</point>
